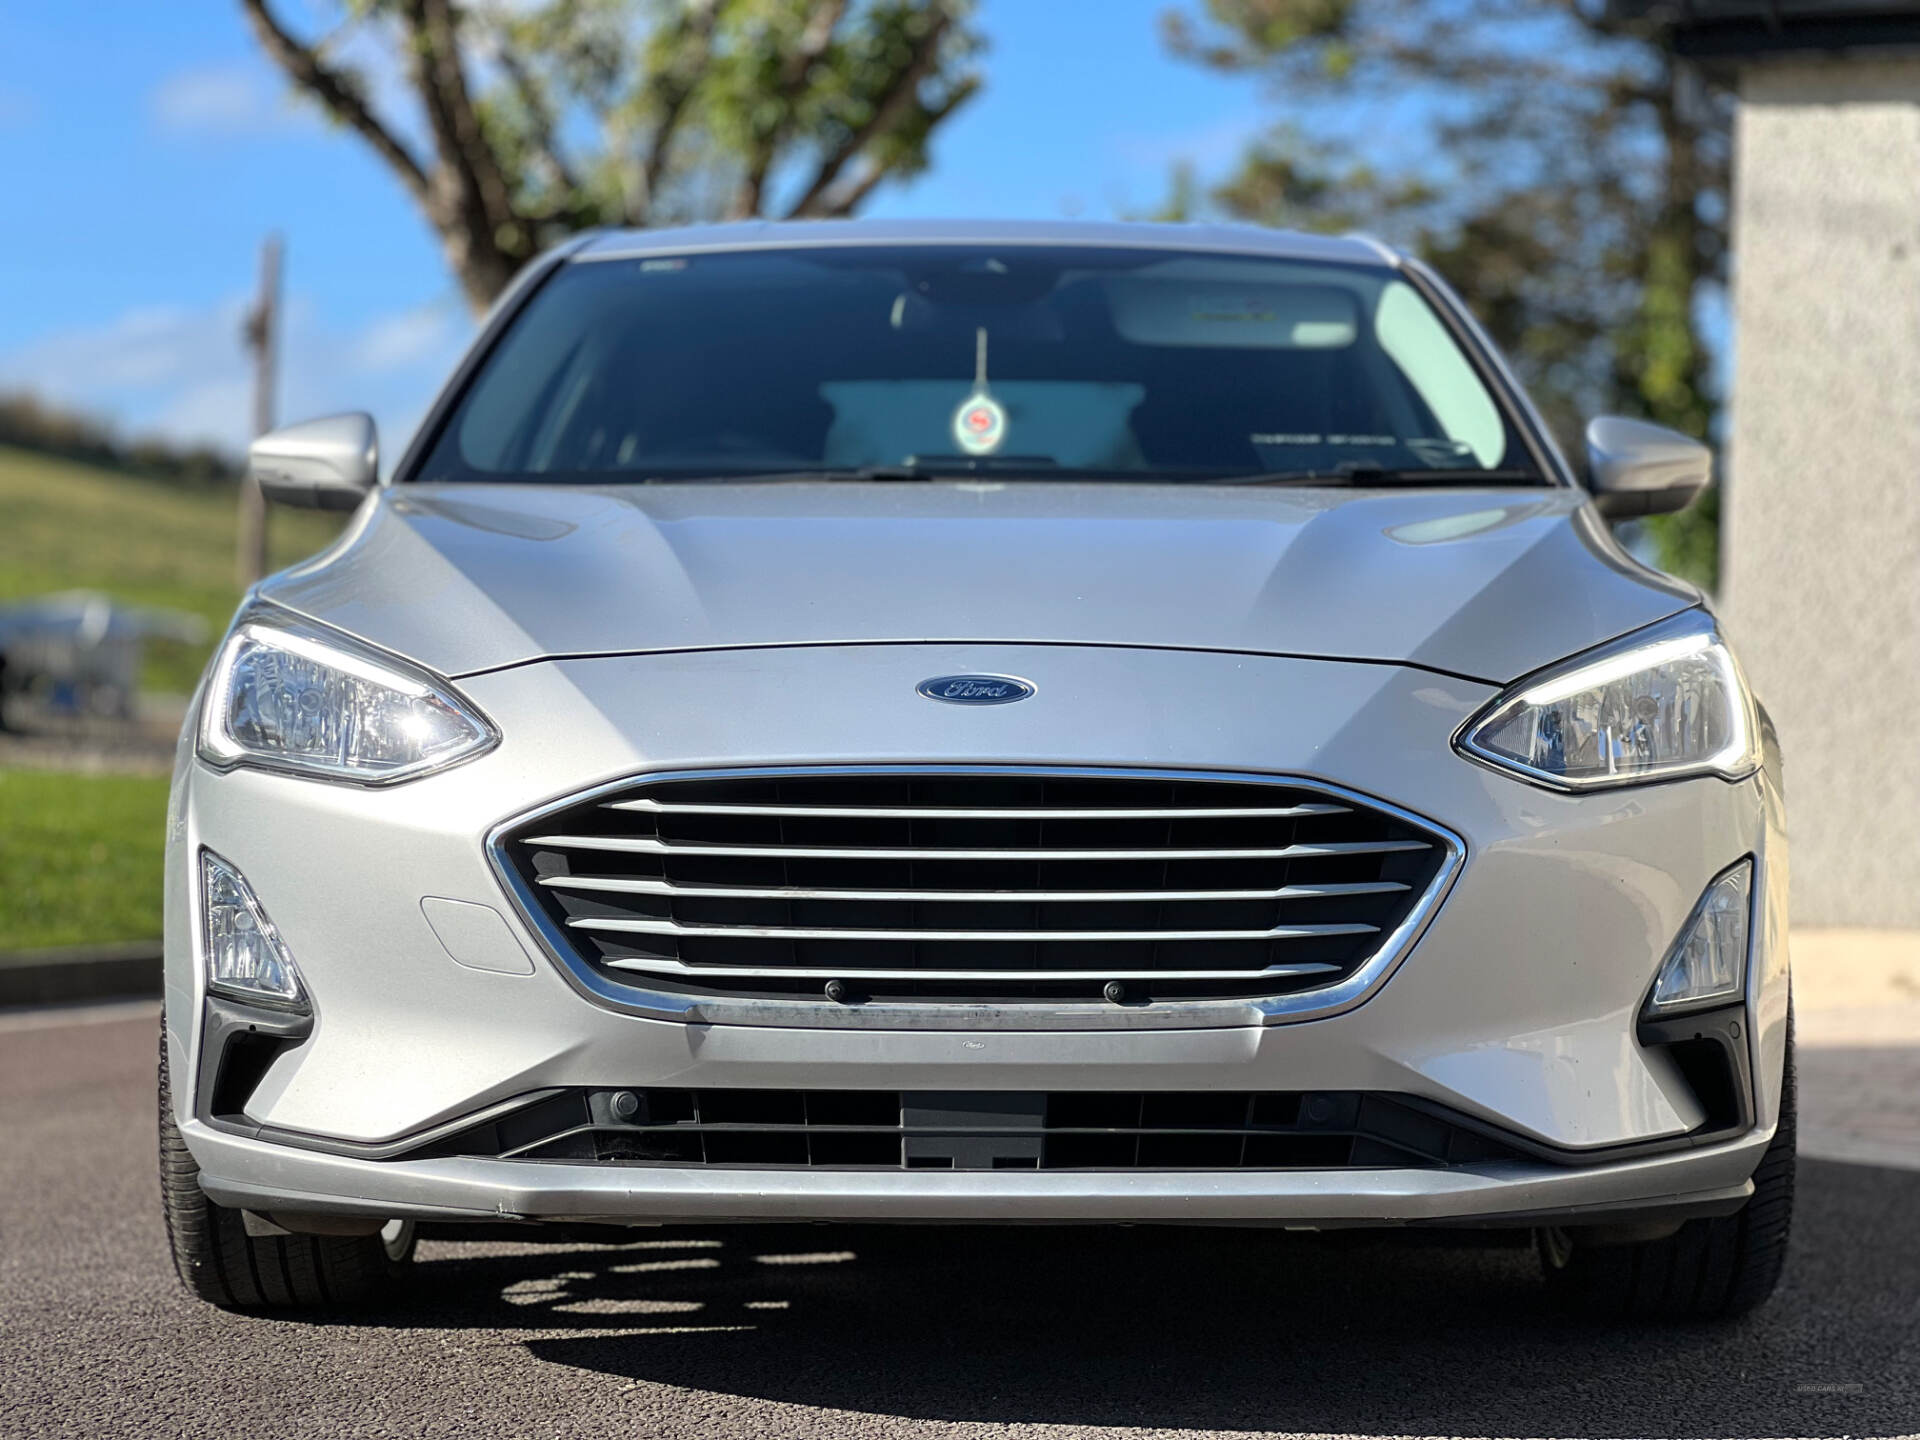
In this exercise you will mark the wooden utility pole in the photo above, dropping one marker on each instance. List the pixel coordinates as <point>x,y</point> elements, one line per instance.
<point>262,337</point>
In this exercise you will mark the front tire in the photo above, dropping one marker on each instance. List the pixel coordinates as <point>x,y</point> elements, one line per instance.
<point>217,1260</point>
<point>1708,1269</point>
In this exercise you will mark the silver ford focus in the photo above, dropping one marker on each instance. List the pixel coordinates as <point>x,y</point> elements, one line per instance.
<point>1048,723</point>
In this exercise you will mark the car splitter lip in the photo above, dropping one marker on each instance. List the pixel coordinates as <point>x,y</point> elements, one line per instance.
<point>256,1175</point>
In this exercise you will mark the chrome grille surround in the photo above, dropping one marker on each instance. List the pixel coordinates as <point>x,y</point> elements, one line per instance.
<point>657,981</point>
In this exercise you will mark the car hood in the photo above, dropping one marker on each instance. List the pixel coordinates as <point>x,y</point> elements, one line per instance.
<point>1482,583</point>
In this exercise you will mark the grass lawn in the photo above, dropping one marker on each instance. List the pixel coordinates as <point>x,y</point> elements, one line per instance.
<point>69,526</point>
<point>79,857</point>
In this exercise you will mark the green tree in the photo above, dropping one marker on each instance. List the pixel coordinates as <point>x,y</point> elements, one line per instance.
<point>536,120</point>
<point>1559,165</point>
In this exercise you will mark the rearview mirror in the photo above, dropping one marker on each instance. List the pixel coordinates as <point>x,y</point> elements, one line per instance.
<point>1634,468</point>
<point>327,464</point>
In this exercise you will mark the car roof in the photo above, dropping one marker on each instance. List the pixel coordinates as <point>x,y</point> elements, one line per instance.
<point>794,234</point>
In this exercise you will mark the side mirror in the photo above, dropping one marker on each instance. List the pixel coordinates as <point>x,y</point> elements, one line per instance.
<point>1634,468</point>
<point>327,464</point>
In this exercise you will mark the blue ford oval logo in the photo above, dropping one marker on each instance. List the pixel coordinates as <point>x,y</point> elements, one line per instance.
<point>975,689</point>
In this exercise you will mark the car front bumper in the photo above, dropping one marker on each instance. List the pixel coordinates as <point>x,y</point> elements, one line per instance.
<point>261,1176</point>
<point>1517,1006</point>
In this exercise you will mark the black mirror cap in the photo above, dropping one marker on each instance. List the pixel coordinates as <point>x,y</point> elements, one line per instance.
<point>1632,504</point>
<point>312,497</point>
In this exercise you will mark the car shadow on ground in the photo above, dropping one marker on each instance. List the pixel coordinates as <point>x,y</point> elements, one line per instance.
<point>1214,1328</point>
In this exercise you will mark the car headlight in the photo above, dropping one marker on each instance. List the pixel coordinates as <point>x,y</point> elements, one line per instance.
<point>287,696</point>
<point>1665,703</point>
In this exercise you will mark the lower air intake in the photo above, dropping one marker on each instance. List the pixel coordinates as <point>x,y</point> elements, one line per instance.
<point>980,1130</point>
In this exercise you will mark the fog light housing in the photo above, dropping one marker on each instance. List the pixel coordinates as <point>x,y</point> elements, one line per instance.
<point>1708,961</point>
<point>246,957</point>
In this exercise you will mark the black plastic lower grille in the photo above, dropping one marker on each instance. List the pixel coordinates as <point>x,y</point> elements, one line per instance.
<point>974,885</point>
<point>980,1130</point>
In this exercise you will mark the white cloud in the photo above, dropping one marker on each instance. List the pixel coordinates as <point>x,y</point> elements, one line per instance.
<point>223,100</point>
<point>185,375</point>
<point>214,409</point>
<point>244,100</point>
<point>394,342</point>
<point>143,347</point>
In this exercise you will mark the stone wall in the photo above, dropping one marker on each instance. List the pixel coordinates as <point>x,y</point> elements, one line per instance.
<point>1821,582</point>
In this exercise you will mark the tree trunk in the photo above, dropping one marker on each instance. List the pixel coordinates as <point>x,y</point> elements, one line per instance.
<point>483,271</point>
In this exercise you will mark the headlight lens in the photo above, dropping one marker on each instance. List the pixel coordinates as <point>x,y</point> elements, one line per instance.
<point>245,955</point>
<point>315,703</point>
<point>1663,705</point>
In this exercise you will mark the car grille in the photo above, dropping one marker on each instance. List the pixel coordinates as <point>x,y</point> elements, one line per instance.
<point>973,886</point>
<point>981,1130</point>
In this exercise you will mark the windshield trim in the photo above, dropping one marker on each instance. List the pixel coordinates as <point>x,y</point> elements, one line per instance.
<point>520,293</point>
<point>1473,342</point>
<point>1300,249</point>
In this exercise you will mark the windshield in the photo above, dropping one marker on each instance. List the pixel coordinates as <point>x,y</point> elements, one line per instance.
<point>1025,362</point>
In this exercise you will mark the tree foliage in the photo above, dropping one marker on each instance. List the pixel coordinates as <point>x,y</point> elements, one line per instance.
<point>1564,171</point>
<point>28,423</point>
<point>533,120</point>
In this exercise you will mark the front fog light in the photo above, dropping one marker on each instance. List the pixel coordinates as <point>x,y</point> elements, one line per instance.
<point>245,954</point>
<point>1709,960</point>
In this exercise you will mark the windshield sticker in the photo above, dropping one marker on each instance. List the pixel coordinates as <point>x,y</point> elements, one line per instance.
<point>979,425</point>
<point>1273,438</point>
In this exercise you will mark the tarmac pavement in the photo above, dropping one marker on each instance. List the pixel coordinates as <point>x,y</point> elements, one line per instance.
<point>909,1331</point>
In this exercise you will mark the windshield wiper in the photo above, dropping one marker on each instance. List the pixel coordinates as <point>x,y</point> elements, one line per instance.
<point>855,473</point>
<point>824,472</point>
<point>1361,473</point>
<point>1354,473</point>
<point>1006,467</point>
<point>1028,468</point>
<point>946,467</point>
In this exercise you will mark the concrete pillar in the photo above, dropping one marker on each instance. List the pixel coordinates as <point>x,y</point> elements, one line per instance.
<point>1821,554</point>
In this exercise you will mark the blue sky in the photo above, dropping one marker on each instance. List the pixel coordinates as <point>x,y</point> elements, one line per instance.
<point>147,147</point>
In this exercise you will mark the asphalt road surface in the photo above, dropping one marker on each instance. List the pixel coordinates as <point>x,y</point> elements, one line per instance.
<point>818,1330</point>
